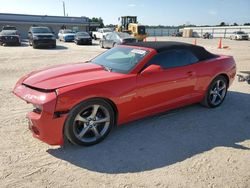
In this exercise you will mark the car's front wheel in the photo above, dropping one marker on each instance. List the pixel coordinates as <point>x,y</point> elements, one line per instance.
<point>216,92</point>
<point>89,122</point>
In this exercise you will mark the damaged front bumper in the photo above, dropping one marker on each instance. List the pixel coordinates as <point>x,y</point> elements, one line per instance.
<point>43,123</point>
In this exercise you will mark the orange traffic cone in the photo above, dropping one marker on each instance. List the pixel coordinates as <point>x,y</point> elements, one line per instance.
<point>220,44</point>
<point>195,42</point>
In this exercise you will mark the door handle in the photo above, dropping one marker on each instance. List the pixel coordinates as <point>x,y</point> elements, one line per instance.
<point>190,73</point>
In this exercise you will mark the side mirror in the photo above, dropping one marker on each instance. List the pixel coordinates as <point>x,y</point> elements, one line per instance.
<point>151,69</point>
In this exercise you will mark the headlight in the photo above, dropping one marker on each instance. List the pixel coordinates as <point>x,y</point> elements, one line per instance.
<point>35,38</point>
<point>37,108</point>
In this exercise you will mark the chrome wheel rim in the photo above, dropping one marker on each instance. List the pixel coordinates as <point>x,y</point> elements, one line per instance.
<point>218,92</point>
<point>91,123</point>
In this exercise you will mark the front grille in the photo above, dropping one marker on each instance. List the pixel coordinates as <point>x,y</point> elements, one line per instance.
<point>37,110</point>
<point>85,40</point>
<point>45,37</point>
<point>44,41</point>
<point>9,39</point>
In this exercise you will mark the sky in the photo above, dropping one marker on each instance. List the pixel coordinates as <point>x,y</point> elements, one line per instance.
<point>149,12</point>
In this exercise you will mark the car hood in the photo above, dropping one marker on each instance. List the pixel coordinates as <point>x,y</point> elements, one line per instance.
<point>65,75</point>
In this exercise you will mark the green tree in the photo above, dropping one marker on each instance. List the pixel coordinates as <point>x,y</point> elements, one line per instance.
<point>222,24</point>
<point>98,20</point>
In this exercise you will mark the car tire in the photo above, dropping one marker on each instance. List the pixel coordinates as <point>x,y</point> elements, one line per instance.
<point>216,92</point>
<point>34,46</point>
<point>101,44</point>
<point>81,127</point>
<point>30,43</point>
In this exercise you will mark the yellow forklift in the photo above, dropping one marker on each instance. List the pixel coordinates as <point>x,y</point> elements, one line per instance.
<point>129,24</point>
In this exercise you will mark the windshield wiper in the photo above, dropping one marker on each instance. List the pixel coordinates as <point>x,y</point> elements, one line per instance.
<point>106,68</point>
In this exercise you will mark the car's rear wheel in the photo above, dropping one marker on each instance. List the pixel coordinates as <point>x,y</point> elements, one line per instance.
<point>89,122</point>
<point>216,92</point>
<point>101,44</point>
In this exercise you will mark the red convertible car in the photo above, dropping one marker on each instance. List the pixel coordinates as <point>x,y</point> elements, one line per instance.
<point>82,102</point>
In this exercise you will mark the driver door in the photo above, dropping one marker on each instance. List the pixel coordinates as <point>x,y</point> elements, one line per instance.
<point>169,86</point>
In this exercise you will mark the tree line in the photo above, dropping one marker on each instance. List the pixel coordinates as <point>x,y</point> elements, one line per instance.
<point>101,22</point>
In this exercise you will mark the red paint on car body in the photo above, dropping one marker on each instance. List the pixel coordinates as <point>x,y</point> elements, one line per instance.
<point>135,95</point>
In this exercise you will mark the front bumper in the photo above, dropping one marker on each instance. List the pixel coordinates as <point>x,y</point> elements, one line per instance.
<point>44,42</point>
<point>84,41</point>
<point>10,40</point>
<point>44,125</point>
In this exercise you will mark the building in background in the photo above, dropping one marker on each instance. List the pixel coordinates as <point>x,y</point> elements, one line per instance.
<point>217,31</point>
<point>23,22</point>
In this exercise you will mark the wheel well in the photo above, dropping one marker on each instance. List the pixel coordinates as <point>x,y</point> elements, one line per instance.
<point>114,107</point>
<point>226,77</point>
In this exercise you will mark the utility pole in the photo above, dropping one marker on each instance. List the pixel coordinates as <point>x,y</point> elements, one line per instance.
<point>64,8</point>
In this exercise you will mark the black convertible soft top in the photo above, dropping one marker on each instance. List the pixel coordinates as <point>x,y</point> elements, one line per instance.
<point>161,46</point>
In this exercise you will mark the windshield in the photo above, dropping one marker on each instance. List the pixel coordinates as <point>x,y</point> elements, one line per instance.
<point>120,59</point>
<point>41,30</point>
<point>8,32</point>
<point>9,28</point>
<point>240,32</point>
<point>82,34</point>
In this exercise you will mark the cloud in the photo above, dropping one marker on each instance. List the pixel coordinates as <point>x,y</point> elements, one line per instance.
<point>212,12</point>
<point>132,5</point>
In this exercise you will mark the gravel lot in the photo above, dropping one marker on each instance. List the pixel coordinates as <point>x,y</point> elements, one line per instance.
<point>188,147</point>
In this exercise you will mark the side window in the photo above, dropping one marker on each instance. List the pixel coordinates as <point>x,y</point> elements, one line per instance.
<point>185,57</point>
<point>173,58</point>
<point>108,36</point>
<point>113,36</point>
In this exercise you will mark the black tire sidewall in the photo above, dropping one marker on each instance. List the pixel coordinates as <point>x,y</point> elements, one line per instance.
<point>68,126</point>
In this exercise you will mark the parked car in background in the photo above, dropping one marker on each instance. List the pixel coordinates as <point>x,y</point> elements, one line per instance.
<point>177,34</point>
<point>82,102</point>
<point>82,38</point>
<point>239,35</point>
<point>9,27</point>
<point>115,38</point>
<point>207,35</point>
<point>41,37</point>
<point>100,33</point>
<point>10,37</point>
<point>66,35</point>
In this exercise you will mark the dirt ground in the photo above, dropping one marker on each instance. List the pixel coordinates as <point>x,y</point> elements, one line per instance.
<point>188,147</point>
